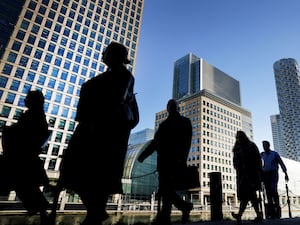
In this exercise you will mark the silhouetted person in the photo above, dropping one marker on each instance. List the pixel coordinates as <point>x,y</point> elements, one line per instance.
<point>93,162</point>
<point>27,173</point>
<point>172,143</point>
<point>271,162</point>
<point>248,165</point>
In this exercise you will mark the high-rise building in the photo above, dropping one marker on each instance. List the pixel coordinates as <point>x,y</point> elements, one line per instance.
<point>278,141</point>
<point>141,136</point>
<point>55,46</point>
<point>211,100</point>
<point>287,78</point>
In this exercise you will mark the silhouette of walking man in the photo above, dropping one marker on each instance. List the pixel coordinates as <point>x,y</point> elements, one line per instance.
<point>21,149</point>
<point>271,162</point>
<point>172,143</point>
<point>93,162</point>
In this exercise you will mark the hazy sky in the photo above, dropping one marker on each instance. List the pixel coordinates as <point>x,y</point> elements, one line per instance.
<point>243,38</point>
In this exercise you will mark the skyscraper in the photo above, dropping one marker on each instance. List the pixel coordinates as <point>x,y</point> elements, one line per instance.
<point>277,134</point>
<point>287,78</point>
<point>55,46</point>
<point>211,100</point>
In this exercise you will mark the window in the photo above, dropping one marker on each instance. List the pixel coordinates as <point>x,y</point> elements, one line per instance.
<point>41,80</point>
<point>5,111</point>
<point>14,85</point>
<point>30,76</point>
<point>34,65</point>
<point>10,98</point>
<point>12,57</point>
<point>26,88</point>
<point>19,73</point>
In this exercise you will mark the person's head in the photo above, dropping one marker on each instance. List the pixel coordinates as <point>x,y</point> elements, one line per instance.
<point>266,146</point>
<point>241,137</point>
<point>34,99</point>
<point>115,54</point>
<point>172,106</point>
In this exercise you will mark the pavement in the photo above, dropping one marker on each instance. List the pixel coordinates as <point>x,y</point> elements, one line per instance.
<point>284,221</point>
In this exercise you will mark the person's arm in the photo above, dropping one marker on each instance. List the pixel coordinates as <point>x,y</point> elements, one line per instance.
<point>283,167</point>
<point>148,151</point>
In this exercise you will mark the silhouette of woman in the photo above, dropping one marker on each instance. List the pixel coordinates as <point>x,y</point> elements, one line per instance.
<point>25,167</point>
<point>93,162</point>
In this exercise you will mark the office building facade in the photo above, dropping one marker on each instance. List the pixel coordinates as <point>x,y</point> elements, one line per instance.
<point>287,78</point>
<point>277,134</point>
<point>211,100</point>
<point>55,46</point>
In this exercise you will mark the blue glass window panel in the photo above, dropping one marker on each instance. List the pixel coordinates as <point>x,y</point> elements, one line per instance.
<point>12,57</point>
<point>54,37</point>
<point>26,88</point>
<point>80,18</point>
<point>27,50</point>
<point>51,83</point>
<point>91,43</point>
<point>32,5</point>
<point>42,43</point>
<point>61,86</point>
<point>16,46</point>
<point>54,72</point>
<point>61,51</point>
<point>58,97</point>
<point>15,84</point>
<point>38,54</point>
<point>89,52</point>
<point>75,68</point>
<point>101,68</point>
<point>28,14</point>
<point>7,69</point>
<point>45,33</point>
<point>10,98</point>
<point>86,62</point>
<point>41,80</point>
<point>94,65</point>
<point>48,24</point>
<point>31,39</point>
<point>5,111</point>
<point>54,5</point>
<point>21,101</point>
<point>39,19</point>
<point>72,45</point>
<point>73,114</point>
<point>64,75</point>
<point>78,58</point>
<point>75,103</point>
<point>70,55</point>
<point>24,24</point>
<point>64,41</point>
<point>92,74</point>
<point>48,94</point>
<point>67,65</point>
<point>81,81</point>
<point>85,30</point>
<point>55,109</point>
<point>66,32</point>
<point>73,79</point>
<point>42,10</point>
<point>70,89</point>
<point>93,34</point>
<point>20,35</point>
<point>63,9</point>
<point>96,55</point>
<point>72,13</point>
<point>19,73</point>
<point>57,61</point>
<point>77,27</point>
<point>48,58</point>
<point>102,29</point>
<point>46,106</point>
<point>23,61</point>
<point>82,40</point>
<point>1,93</point>
<point>98,47</point>
<point>3,81</point>
<point>45,68</point>
<point>68,100</point>
<point>34,65</point>
<point>51,47</point>
<point>65,112</point>
<point>84,71</point>
<point>69,23</point>
<point>30,76</point>
<point>51,14</point>
<point>60,19</point>
<point>80,48</point>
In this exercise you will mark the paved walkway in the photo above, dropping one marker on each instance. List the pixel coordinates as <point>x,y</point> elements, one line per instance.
<point>285,221</point>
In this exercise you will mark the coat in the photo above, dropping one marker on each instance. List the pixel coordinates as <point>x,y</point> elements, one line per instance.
<point>248,165</point>
<point>97,149</point>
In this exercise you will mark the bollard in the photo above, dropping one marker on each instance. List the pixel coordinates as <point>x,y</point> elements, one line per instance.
<point>215,196</point>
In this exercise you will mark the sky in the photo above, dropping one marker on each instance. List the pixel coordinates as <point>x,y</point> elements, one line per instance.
<point>242,38</point>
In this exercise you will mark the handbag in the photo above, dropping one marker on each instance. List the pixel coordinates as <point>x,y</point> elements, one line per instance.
<point>130,108</point>
<point>186,178</point>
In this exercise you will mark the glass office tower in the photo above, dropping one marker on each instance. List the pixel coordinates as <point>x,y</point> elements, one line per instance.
<point>55,46</point>
<point>287,78</point>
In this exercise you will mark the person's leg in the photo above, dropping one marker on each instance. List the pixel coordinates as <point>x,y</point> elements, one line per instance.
<point>34,202</point>
<point>183,206</point>
<point>255,204</point>
<point>243,205</point>
<point>275,196</point>
<point>95,204</point>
